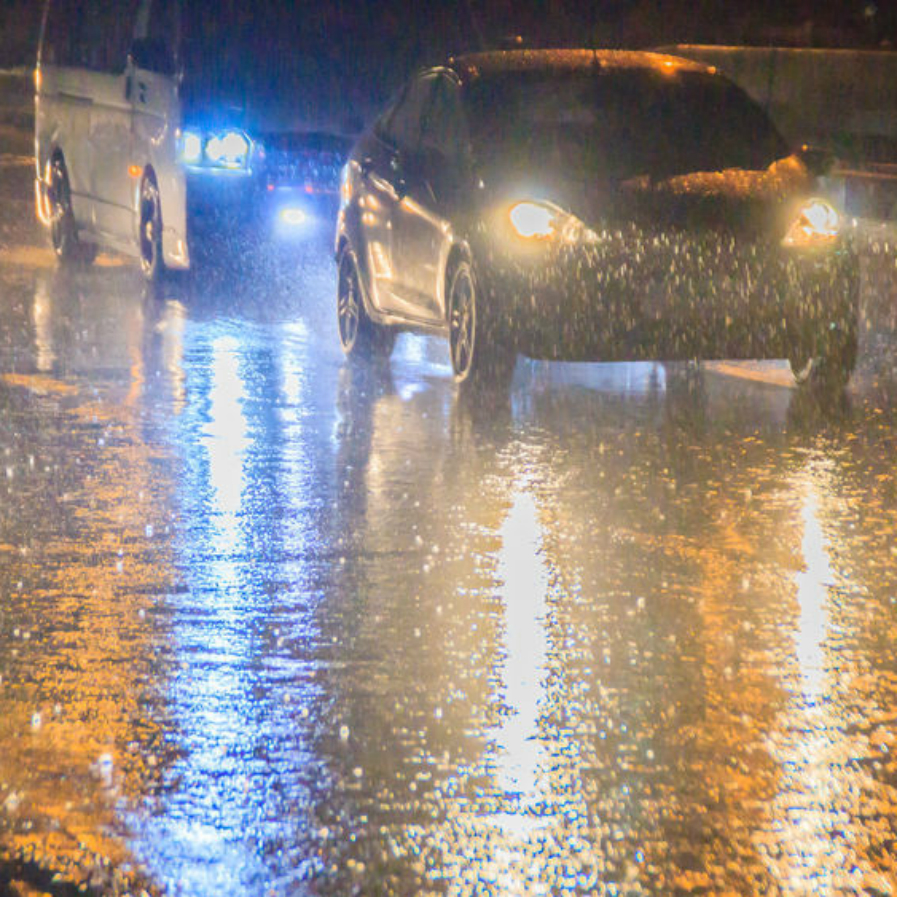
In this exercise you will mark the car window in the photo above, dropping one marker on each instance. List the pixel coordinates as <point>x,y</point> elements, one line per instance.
<point>445,131</point>
<point>403,125</point>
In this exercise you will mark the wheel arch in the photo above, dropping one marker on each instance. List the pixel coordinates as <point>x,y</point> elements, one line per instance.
<point>44,168</point>
<point>459,251</point>
<point>148,174</point>
<point>344,245</point>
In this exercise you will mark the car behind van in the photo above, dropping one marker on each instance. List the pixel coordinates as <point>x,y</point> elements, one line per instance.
<point>170,130</point>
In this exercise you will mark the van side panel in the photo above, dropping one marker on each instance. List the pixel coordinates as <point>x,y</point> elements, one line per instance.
<point>157,116</point>
<point>62,117</point>
<point>109,150</point>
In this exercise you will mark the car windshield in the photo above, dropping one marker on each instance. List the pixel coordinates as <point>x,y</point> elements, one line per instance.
<point>619,124</point>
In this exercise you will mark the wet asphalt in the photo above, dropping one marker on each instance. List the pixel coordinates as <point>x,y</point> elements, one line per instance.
<point>273,624</point>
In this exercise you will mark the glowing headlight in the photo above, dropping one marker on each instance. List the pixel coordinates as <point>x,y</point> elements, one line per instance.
<point>229,149</point>
<point>191,147</point>
<point>532,220</point>
<point>817,222</point>
<point>292,216</point>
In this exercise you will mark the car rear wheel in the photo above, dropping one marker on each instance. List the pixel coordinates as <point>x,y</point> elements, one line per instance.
<point>359,336</point>
<point>830,370</point>
<point>479,357</point>
<point>150,233</point>
<point>63,230</point>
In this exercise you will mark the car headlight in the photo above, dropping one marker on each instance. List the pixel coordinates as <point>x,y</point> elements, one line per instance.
<point>533,220</point>
<point>817,223</point>
<point>537,221</point>
<point>191,147</point>
<point>228,149</point>
<point>292,216</point>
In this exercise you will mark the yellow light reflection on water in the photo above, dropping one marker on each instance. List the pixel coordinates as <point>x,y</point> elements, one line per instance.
<point>813,597</point>
<point>815,811</point>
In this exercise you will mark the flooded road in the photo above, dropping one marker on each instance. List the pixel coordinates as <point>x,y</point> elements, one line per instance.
<point>271,624</point>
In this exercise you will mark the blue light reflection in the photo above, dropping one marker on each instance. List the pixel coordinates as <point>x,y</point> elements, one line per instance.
<point>244,631</point>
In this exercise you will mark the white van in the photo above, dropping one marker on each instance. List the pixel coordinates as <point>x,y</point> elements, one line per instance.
<point>168,129</point>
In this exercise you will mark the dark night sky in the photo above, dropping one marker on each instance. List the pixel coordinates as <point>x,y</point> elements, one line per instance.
<point>409,31</point>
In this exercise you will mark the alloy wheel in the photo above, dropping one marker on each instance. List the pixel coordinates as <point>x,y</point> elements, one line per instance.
<point>462,324</point>
<point>150,231</point>
<point>347,302</point>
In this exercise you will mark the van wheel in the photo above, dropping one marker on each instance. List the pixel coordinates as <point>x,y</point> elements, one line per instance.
<point>150,233</point>
<point>63,231</point>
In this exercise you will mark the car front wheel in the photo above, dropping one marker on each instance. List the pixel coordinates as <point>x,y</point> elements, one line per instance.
<point>359,336</point>
<point>480,358</point>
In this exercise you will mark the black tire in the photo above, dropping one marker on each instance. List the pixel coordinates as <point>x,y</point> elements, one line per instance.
<point>480,357</point>
<point>63,230</point>
<point>359,336</point>
<point>150,231</point>
<point>830,370</point>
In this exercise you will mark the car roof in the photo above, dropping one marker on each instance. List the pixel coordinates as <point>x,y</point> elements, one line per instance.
<point>472,66</point>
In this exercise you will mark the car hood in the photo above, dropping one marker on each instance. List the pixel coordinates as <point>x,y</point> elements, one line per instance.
<point>732,199</point>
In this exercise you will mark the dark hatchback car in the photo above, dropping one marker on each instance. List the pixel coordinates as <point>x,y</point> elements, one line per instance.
<point>590,205</point>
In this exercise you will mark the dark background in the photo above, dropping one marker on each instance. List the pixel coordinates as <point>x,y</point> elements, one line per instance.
<point>420,29</point>
<point>355,54</point>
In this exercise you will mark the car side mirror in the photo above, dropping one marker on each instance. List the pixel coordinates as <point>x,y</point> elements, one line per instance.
<point>819,161</point>
<point>152,54</point>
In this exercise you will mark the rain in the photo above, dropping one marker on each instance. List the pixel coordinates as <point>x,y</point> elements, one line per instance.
<point>275,621</point>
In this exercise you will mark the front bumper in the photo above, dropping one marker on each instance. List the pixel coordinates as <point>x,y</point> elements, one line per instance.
<point>247,210</point>
<point>637,297</point>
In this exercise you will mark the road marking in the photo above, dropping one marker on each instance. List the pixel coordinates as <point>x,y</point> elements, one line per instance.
<point>10,160</point>
<point>774,376</point>
<point>44,257</point>
<point>40,384</point>
<point>28,257</point>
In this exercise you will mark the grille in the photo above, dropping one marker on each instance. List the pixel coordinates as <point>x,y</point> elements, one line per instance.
<point>311,161</point>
